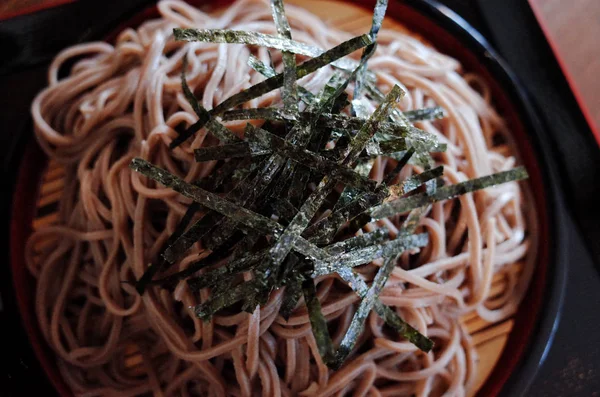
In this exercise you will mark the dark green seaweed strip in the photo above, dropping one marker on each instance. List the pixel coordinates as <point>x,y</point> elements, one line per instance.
<point>267,71</point>
<point>364,240</point>
<point>288,90</point>
<point>295,228</point>
<point>216,128</point>
<point>270,113</point>
<point>275,82</point>
<point>412,220</point>
<point>392,146</point>
<point>207,224</point>
<point>222,152</point>
<point>297,188</point>
<point>225,299</point>
<point>318,323</point>
<point>433,113</point>
<point>323,231</point>
<point>401,163</point>
<point>153,269</point>
<point>414,181</point>
<point>357,324</point>
<point>359,142</point>
<point>378,15</point>
<point>371,125</point>
<point>246,192</point>
<point>366,305</point>
<point>362,138</point>
<point>260,66</point>
<point>303,132</point>
<point>242,37</point>
<point>287,149</point>
<point>282,208</point>
<point>213,258</point>
<point>447,192</point>
<point>212,277</point>
<point>291,296</point>
<point>178,248</point>
<point>368,254</point>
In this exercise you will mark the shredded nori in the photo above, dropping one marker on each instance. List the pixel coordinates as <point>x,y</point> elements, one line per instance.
<point>257,210</point>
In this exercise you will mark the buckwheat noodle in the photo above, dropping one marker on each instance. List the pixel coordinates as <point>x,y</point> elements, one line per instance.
<point>124,100</point>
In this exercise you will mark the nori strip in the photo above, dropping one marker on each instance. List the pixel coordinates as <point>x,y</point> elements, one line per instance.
<point>378,15</point>
<point>297,187</point>
<point>212,277</point>
<point>214,180</point>
<point>364,135</point>
<point>447,192</point>
<point>284,44</point>
<point>260,66</point>
<point>401,163</point>
<point>366,305</point>
<point>319,163</point>
<point>291,296</point>
<point>216,128</point>
<point>318,323</point>
<point>413,182</point>
<point>301,135</point>
<point>392,146</point>
<point>282,208</point>
<point>276,81</point>
<point>153,269</point>
<point>425,114</point>
<point>424,141</point>
<point>208,199</point>
<point>368,254</point>
<point>288,90</point>
<point>323,231</point>
<point>230,150</point>
<point>226,298</point>
<point>364,240</point>
<point>213,258</point>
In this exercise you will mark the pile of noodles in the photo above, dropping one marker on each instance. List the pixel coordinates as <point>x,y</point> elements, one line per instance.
<point>124,100</point>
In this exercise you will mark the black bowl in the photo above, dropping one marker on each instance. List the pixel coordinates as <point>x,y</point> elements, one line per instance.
<point>537,319</point>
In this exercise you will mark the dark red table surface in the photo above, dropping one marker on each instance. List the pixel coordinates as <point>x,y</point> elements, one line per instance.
<point>572,367</point>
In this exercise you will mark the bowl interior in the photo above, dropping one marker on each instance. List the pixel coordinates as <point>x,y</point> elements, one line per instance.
<point>34,163</point>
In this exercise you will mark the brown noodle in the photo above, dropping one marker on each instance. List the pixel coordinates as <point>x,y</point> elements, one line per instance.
<point>123,101</point>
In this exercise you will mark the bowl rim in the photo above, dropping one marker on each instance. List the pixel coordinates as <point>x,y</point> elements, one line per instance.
<point>518,378</point>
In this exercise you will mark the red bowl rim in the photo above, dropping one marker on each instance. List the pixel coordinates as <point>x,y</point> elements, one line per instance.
<point>34,161</point>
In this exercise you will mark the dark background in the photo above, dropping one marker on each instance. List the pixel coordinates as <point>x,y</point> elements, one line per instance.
<point>572,366</point>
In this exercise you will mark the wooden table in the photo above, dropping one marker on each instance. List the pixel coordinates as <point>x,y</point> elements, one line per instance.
<point>573,31</point>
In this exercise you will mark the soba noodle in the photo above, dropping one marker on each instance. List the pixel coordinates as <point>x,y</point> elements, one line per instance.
<point>124,100</point>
